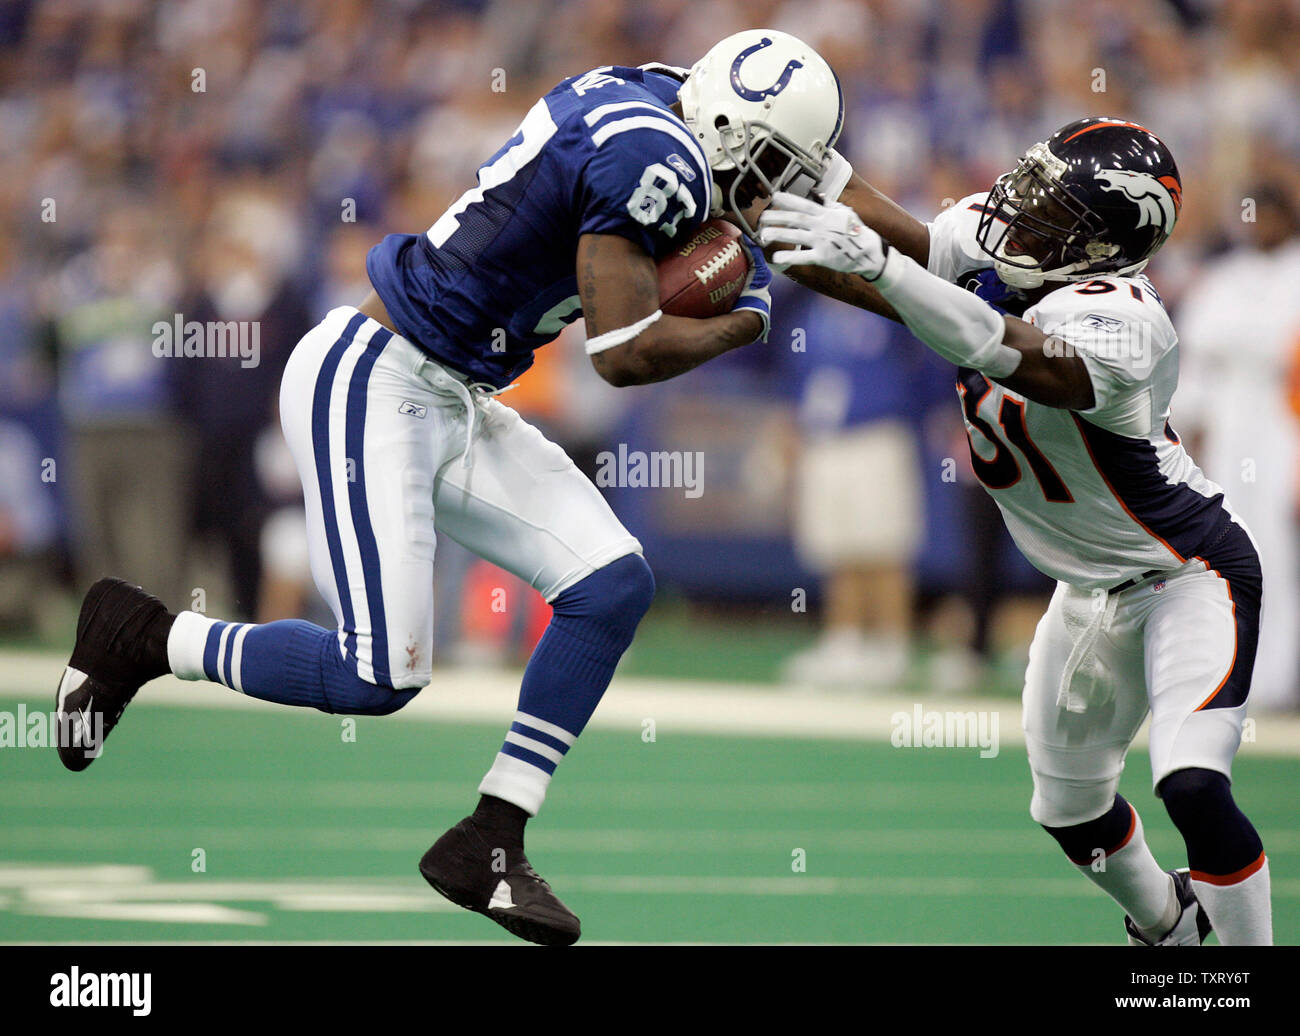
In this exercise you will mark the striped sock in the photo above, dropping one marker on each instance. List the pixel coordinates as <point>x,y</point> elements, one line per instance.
<point>276,661</point>
<point>199,648</point>
<point>1238,905</point>
<point>523,768</point>
<point>1229,870</point>
<point>592,625</point>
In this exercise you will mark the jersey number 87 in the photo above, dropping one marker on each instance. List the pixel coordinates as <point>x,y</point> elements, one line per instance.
<point>658,188</point>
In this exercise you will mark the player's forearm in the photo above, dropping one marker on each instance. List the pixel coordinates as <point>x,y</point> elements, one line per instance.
<point>953,322</point>
<point>888,219</point>
<point>674,345</point>
<point>956,324</point>
<point>846,287</point>
<point>968,331</point>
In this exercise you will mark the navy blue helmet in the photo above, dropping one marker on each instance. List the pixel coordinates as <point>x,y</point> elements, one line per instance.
<point>1099,197</point>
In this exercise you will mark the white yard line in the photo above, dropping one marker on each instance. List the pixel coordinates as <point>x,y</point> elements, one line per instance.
<point>163,913</point>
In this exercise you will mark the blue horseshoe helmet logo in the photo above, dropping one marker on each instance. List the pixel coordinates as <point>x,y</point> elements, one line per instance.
<point>783,80</point>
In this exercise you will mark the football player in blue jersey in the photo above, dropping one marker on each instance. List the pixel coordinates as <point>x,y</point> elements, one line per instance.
<point>390,413</point>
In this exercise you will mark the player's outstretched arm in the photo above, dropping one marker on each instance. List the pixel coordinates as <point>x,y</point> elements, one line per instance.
<point>630,341</point>
<point>888,219</point>
<point>953,322</point>
<point>892,222</point>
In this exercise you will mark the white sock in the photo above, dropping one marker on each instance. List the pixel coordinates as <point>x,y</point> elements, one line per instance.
<point>1134,880</point>
<point>517,782</point>
<point>186,643</point>
<point>1238,905</point>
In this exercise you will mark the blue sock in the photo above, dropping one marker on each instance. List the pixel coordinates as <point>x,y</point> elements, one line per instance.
<point>290,662</point>
<point>592,625</point>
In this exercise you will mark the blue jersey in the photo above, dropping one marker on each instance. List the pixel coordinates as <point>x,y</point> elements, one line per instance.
<point>494,279</point>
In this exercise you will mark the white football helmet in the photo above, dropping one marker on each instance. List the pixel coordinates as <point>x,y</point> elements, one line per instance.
<point>762,102</point>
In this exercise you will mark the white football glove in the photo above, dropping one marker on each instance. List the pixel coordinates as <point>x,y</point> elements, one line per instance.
<point>829,235</point>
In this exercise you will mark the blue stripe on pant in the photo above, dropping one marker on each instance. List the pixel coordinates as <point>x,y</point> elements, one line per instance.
<point>364,530</point>
<point>1234,559</point>
<point>320,426</point>
<point>293,662</point>
<point>358,507</point>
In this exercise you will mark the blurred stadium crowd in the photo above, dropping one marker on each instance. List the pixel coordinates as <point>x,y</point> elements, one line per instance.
<point>234,160</point>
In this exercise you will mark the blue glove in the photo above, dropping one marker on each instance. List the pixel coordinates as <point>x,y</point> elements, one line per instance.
<point>757,292</point>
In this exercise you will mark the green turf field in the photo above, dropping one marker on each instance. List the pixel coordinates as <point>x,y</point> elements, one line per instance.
<point>690,838</point>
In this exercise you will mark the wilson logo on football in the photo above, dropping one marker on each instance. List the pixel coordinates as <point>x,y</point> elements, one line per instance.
<point>718,294</point>
<point>705,235</point>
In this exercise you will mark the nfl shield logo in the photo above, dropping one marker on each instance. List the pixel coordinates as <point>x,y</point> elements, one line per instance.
<point>1157,586</point>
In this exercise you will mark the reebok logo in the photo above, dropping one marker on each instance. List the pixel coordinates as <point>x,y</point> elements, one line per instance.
<point>682,166</point>
<point>83,728</point>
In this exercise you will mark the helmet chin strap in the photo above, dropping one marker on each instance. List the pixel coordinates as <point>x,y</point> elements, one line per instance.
<point>1014,275</point>
<point>1017,276</point>
<point>717,204</point>
<point>1025,280</point>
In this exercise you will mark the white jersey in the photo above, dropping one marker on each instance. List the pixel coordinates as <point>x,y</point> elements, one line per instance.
<point>1096,497</point>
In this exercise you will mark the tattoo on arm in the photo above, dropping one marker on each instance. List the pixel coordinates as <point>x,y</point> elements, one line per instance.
<point>635,288</point>
<point>843,286</point>
<point>646,286</point>
<point>587,287</point>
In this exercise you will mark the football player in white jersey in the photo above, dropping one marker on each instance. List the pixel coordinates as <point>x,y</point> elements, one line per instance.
<point>1067,363</point>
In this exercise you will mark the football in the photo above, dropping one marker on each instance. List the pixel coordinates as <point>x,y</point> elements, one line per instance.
<point>703,277</point>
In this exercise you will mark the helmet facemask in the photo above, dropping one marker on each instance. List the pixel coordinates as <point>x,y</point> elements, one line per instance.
<point>1046,233</point>
<point>762,161</point>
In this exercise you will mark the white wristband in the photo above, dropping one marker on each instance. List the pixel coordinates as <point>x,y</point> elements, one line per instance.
<point>610,339</point>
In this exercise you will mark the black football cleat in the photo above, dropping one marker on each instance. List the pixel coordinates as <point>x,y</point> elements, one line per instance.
<point>121,644</point>
<point>464,867</point>
<point>1192,925</point>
